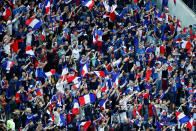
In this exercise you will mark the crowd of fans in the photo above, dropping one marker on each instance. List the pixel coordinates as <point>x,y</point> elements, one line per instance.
<point>119,65</point>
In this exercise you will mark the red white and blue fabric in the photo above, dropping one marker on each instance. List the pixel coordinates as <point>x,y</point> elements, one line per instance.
<point>84,70</point>
<point>18,97</point>
<point>88,3</point>
<point>13,2</point>
<point>8,65</point>
<point>72,77</point>
<point>95,36</point>
<point>38,92</point>
<point>84,124</point>
<point>186,45</point>
<point>66,33</point>
<point>64,73</point>
<point>34,23</point>
<point>106,5</point>
<point>43,36</point>
<point>100,73</point>
<point>102,104</point>
<point>6,13</point>
<point>86,99</point>
<point>75,109</point>
<point>47,6</point>
<point>77,86</point>
<point>190,124</point>
<point>29,51</point>
<point>50,73</point>
<point>116,82</point>
<point>182,118</point>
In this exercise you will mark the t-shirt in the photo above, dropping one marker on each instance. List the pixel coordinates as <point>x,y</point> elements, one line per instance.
<point>76,53</point>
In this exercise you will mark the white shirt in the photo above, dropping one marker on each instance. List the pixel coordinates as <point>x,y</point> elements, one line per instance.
<point>76,53</point>
<point>157,51</point>
<point>29,38</point>
<point>60,86</point>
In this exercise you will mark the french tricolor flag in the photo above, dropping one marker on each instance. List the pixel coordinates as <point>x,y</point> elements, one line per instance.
<point>43,36</point>
<point>29,51</point>
<point>6,13</point>
<point>84,70</point>
<point>64,73</point>
<point>88,3</point>
<point>86,99</point>
<point>102,104</point>
<point>8,65</point>
<point>66,33</point>
<point>71,77</point>
<point>100,73</point>
<point>116,82</point>
<point>84,124</point>
<point>186,45</point>
<point>182,117</point>
<point>75,109</point>
<point>77,86</point>
<point>34,23</point>
<point>38,92</point>
<point>50,73</point>
<point>107,7</point>
<point>190,124</point>
<point>13,2</point>
<point>95,36</point>
<point>47,6</point>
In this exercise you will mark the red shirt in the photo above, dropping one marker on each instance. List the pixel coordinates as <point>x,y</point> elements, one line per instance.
<point>14,46</point>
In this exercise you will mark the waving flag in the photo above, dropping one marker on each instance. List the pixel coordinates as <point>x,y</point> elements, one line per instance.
<point>190,124</point>
<point>122,14</point>
<point>63,119</point>
<point>113,15</point>
<point>116,81</point>
<point>77,86</point>
<point>107,7</point>
<point>86,99</point>
<point>38,92</point>
<point>43,36</point>
<point>18,97</point>
<point>64,73</point>
<point>99,73</point>
<point>88,3</point>
<point>66,33</point>
<point>182,118</point>
<point>50,73</point>
<point>29,51</point>
<point>76,106</point>
<point>72,77</point>
<point>47,6</point>
<point>95,36</point>
<point>6,13</point>
<point>186,45</point>
<point>34,23</point>
<point>84,70</point>
<point>8,65</point>
<point>13,2</point>
<point>84,124</point>
<point>102,104</point>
